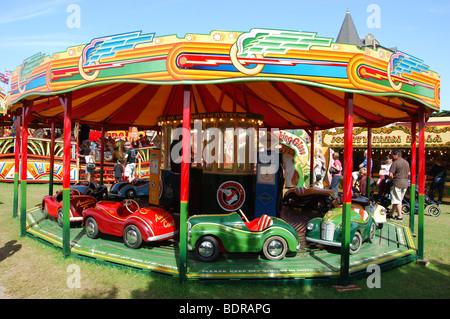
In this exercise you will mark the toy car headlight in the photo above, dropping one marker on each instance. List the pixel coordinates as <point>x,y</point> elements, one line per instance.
<point>310,226</point>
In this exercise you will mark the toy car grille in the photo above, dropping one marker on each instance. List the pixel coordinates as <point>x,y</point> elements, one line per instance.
<point>327,231</point>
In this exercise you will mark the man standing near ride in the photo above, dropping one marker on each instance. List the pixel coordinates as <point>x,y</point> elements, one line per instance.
<point>399,174</point>
<point>130,162</point>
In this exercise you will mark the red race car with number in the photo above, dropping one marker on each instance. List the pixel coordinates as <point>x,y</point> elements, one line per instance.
<point>128,220</point>
<point>52,206</point>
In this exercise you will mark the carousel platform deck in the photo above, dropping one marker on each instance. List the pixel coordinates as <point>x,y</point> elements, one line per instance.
<point>393,246</point>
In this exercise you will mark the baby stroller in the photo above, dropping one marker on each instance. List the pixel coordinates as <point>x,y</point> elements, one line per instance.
<point>433,206</point>
<point>383,197</point>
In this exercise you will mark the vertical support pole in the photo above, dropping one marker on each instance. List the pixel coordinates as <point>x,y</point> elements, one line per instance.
<point>23,179</point>
<point>369,160</point>
<point>413,174</point>
<point>184,191</point>
<point>16,167</point>
<point>420,241</point>
<point>77,170</point>
<point>66,101</point>
<point>52,159</point>
<point>347,191</point>
<point>102,154</point>
<point>311,156</point>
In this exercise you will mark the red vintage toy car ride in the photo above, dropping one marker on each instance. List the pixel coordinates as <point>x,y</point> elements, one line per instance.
<point>52,206</point>
<point>128,220</point>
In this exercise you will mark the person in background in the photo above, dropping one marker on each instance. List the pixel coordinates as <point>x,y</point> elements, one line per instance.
<point>384,169</point>
<point>130,161</point>
<point>337,175</point>
<point>362,165</point>
<point>399,174</point>
<point>84,150</point>
<point>118,171</point>
<point>89,160</point>
<point>439,172</point>
<point>319,168</point>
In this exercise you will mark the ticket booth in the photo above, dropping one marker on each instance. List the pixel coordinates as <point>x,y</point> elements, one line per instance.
<point>223,162</point>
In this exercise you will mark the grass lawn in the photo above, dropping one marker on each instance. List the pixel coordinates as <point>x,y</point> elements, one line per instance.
<point>30,269</point>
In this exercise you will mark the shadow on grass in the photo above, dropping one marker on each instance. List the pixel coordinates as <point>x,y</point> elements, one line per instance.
<point>9,249</point>
<point>410,281</point>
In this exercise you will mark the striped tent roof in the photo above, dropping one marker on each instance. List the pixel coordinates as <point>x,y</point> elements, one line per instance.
<point>294,79</point>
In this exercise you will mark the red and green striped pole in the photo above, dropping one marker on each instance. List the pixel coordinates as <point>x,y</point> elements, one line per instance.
<point>347,190</point>
<point>369,160</point>
<point>66,101</point>
<point>311,157</point>
<point>102,154</point>
<point>413,174</point>
<point>16,167</point>
<point>184,190</point>
<point>23,179</point>
<point>52,159</point>
<point>421,199</point>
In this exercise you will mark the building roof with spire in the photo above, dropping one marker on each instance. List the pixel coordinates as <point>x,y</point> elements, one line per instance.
<point>348,33</point>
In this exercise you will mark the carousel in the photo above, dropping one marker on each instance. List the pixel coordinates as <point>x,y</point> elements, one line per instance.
<point>206,94</point>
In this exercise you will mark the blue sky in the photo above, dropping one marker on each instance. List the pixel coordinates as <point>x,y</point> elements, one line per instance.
<point>419,28</point>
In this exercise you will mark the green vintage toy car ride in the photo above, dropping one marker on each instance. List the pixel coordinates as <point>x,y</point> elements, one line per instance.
<point>208,235</point>
<point>363,226</point>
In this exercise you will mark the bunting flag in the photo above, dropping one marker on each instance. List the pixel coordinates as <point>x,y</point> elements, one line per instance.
<point>4,78</point>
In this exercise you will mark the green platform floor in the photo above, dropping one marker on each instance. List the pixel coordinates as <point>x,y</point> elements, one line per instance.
<point>392,247</point>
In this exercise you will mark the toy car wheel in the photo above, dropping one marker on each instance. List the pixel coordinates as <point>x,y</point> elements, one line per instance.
<point>275,248</point>
<point>406,209</point>
<point>291,200</point>
<point>45,210</point>
<point>131,193</point>
<point>60,217</point>
<point>132,237</point>
<point>91,228</point>
<point>373,230</point>
<point>356,243</point>
<point>434,210</point>
<point>207,249</point>
<point>320,206</point>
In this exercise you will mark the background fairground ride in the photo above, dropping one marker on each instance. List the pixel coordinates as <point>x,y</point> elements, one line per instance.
<point>39,146</point>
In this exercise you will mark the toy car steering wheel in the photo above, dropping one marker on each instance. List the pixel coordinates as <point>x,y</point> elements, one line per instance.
<point>129,202</point>
<point>75,191</point>
<point>243,215</point>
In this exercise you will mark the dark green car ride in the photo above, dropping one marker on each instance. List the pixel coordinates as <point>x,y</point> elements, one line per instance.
<point>327,230</point>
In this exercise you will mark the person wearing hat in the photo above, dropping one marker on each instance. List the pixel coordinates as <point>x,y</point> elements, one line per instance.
<point>130,161</point>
